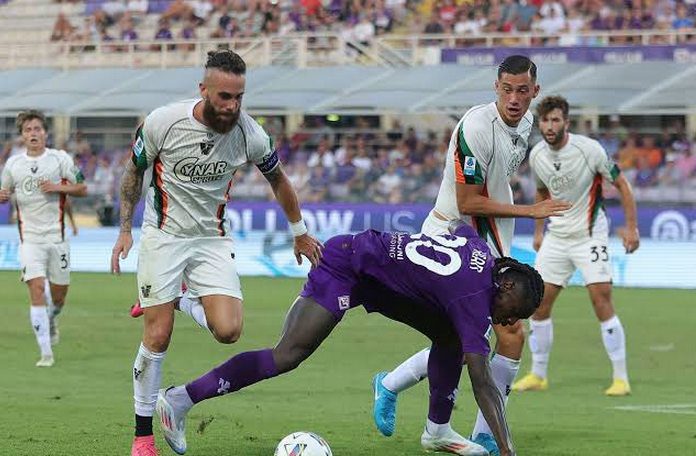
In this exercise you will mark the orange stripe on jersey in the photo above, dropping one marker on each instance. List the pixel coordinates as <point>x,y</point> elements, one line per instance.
<point>221,210</point>
<point>19,223</point>
<point>458,173</point>
<point>61,211</point>
<point>595,201</point>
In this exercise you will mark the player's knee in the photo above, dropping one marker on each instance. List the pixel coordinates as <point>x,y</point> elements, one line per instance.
<point>511,340</point>
<point>157,338</point>
<point>228,333</point>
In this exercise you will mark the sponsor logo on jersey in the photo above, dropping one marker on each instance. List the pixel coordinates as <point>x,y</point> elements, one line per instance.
<point>344,302</point>
<point>190,170</point>
<point>558,184</point>
<point>469,166</point>
<point>31,184</point>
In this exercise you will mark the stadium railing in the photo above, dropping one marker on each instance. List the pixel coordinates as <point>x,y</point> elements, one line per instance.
<point>308,49</point>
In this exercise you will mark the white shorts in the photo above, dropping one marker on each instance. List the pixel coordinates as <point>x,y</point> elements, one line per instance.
<point>45,260</point>
<point>433,226</point>
<point>206,264</point>
<point>558,258</point>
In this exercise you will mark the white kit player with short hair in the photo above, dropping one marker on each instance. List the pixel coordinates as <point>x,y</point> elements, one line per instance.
<point>194,148</point>
<point>40,178</point>
<point>485,149</point>
<point>573,167</point>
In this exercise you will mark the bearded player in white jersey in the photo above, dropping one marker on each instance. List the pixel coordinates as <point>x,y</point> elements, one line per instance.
<point>194,148</point>
<point>486,148</point>
<point>40,178</point>
<point>573,167</point>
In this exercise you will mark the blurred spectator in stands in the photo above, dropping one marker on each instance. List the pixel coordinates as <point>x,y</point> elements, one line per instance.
<point>299,175</point>
<point>628,154</point>
<point>188,32</point>
<point>386,188</point>
<point>322,157</point>
<point>669,174</point>
<point>447,12</point>
<point>63,30</point>
<point>318,185</point>
<point>128,32</point>
<point>383,20</point>
<point>551,9</point>
<point>682,20</point>
<point>364,30</point>
<point>137,9</point>
<point>433,26</point>
<point>114,10</point>
<point>474,23</point>
<point>651,152</point>
<point>362,158</point>
<point>164,33</point>
<point>78,145</point>
<point>685,162</point>
<point>346,151</point>
<point>201,10</point>
<point>610,143</point>
<point>224,20</point>
<point>616,128</point>
<point>177,9</point>
<point>645,176</point>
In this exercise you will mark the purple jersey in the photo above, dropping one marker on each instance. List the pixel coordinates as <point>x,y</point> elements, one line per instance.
<point>449,274</point>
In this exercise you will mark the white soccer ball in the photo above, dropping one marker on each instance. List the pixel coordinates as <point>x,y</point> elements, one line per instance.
<point>303,444</point>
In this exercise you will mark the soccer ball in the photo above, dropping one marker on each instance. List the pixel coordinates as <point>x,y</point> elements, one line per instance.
<point>303,444</point>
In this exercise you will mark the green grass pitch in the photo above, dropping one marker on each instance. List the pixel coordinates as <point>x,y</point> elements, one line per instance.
<point>83,405</point>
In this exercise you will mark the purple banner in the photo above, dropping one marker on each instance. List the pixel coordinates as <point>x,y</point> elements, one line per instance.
<point>669,224</point>
<point>580,54</point>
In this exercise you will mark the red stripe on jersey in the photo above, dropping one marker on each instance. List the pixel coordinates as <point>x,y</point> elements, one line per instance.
<point>19,223</point>
<point>221,210</point>
<point>595,201</point>
<point>61,211</point>
<point>458,173</point>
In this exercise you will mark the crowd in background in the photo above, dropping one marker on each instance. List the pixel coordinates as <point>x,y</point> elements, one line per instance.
<point>399,165</point>
<point>362,20</point>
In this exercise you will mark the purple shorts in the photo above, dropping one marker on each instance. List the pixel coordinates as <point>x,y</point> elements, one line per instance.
<point>332,283</point>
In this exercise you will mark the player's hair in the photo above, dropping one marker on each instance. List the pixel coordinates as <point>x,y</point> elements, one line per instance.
<point>227,61</point>
<point>26,116</point>
<point>517,64</point>
<point>526,278</point>
<point>550,103</point>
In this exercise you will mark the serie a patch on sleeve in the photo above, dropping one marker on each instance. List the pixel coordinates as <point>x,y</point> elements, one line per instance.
<point>469,166</point>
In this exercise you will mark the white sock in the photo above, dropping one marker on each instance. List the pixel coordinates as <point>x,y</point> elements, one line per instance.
<point>39,322</point>
<point>408,373</point>
<point>540,342</point>
<point>194,309</point>
<point>435,429</point>
<point>504,371</point>
<point>615,344</point>
<point>147,375</point>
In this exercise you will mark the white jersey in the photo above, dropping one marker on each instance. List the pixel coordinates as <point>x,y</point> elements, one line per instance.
<point>486,151</point>
<point>193,168</point>
<point>40,215</point>
<point>575,174</point>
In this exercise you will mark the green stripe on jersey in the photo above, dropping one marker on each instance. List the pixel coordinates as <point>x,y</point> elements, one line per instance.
<point>471,169</point>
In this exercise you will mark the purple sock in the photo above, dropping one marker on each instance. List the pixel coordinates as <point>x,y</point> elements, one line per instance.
<point>234,374</point>
<point>444,370</point>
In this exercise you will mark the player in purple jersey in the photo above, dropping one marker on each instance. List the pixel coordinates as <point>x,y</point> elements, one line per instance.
<point>448,287</point>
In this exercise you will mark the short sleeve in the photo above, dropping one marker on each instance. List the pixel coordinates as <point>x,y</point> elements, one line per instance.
<point>603,163</point>
<point>470,317</point>
<point>533,165</point>
<point>261,149</point>
<point>69,171</point>
<point>145,145</point>
<point>6,181</point>
<point>472,154</point>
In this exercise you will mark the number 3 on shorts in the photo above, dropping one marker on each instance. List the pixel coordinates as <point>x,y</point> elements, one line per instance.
<point>599,252</point>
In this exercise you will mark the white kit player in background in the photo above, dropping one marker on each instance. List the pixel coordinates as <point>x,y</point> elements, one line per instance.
<point>486,148</point>
<point>194,148</point>
<point>573,167</point>
<point>40,178</point>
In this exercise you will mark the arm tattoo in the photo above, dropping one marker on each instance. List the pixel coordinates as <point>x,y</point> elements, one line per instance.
<point>131,188</point>
<point>275,177</point>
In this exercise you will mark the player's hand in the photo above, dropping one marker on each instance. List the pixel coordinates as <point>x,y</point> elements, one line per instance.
<point>536,243</point>
<point>4,195</point>
<point>49,187</point>
<point>549,208</point>
<point>308,246</point>
<point>74,230</point>
<point>630,238</point>
<point>121,249</point>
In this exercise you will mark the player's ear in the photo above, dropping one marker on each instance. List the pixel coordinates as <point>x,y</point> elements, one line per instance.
<point>537,88</point>
<point>203,90</point>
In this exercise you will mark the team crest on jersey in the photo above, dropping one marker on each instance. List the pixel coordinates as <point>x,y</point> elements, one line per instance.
<point>34,169</point>
<point>557,165</point>
<point>344,302</point>
<point>469,166</point>
<point>145,290</point>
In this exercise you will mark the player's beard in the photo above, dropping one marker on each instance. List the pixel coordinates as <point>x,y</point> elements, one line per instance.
<point>220,123</point>
<point>557,138</point>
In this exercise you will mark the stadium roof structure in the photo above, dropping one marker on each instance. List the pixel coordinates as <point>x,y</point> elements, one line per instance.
<point>642,88</point>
